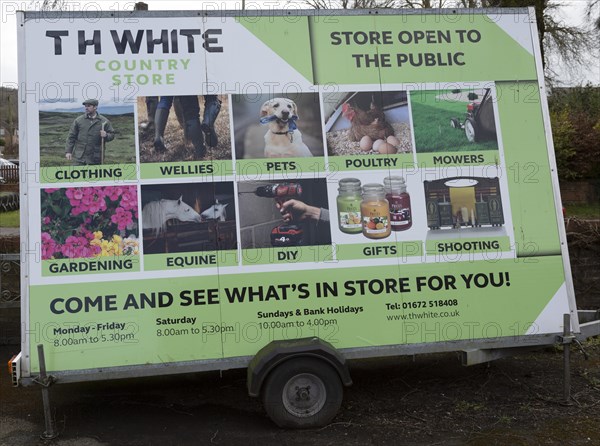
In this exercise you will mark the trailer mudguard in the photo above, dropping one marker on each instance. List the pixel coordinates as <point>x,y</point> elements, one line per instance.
<point>277,352</point>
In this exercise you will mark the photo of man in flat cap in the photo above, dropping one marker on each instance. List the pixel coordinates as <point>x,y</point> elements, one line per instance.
<point>88,136</point>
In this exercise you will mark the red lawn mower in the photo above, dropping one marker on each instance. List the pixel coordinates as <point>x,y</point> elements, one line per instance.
<point>479,124</point>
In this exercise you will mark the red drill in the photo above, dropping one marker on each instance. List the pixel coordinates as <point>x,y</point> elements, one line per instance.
<point>286,234</point>
<point>280,191</point>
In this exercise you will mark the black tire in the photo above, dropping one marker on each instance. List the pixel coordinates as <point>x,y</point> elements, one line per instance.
<point>454,123</point>
<point>302,393</point>
<point>471,130</point>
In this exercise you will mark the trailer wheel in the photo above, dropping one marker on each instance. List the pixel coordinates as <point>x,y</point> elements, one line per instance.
<point>302,393</point>
<point>470,130</point>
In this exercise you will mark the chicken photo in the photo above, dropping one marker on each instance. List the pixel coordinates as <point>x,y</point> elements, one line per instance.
<point>366,118</point>
<point>357,125</point>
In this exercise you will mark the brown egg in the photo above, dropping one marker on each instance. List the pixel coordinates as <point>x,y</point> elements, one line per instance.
<point>393,140</point>
<point>377,144</point>
<point>366,143</point>
<point>387,148</point>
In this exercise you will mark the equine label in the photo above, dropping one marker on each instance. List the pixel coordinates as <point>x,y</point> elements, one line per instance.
<point>209,259</point>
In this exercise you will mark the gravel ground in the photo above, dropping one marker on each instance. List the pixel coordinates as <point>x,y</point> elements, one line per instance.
<point>425,400</point>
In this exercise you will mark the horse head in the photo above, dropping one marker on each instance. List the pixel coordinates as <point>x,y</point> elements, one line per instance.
<point>181,211</point>
<point>215,212</point>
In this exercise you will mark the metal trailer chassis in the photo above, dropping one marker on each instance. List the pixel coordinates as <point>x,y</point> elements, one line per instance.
<point>300,380</point>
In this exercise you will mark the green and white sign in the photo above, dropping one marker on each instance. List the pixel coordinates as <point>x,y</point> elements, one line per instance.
<point>200,185</point>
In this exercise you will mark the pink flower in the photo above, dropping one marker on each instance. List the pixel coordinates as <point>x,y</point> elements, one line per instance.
<point>72,247</point>
<point>113,192</point>
<point>86,199</point>
<point>50,190</point>
<point>129,199</point>
<point>49,246</point>
<point>78,247</point>
<point>46,220</point>
<point>122,218</point>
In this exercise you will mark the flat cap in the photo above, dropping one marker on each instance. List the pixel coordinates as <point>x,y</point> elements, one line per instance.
<point>91,102</point>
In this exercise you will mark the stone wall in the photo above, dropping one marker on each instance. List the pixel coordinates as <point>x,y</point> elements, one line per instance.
<point>584,252</point>
<point>580,192</point>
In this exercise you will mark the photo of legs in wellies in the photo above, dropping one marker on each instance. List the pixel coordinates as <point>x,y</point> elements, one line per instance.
<point>183,128</point>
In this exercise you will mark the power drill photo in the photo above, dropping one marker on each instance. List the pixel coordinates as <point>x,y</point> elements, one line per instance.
<point>287,234</point>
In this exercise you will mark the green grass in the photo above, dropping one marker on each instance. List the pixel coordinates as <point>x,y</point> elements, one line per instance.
<point>431,120</point>
<point>591,211</point>
<point>54,130</point>
<point>9,219</point>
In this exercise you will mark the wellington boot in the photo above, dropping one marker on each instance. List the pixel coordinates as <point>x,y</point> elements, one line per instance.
<point>194,132</point>
<point>160,123</point>
<point>147,128</point>
<point>151,104</point>
<point>212,106</point>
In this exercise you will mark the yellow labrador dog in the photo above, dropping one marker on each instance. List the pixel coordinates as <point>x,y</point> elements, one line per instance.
<point>283,139</point>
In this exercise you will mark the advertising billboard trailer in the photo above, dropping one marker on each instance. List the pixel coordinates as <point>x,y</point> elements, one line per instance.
<point>285,191</point>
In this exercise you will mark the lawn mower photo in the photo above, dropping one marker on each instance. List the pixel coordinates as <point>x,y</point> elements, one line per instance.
<point>479,124</point>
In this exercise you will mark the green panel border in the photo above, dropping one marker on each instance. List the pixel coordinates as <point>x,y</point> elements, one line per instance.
<point>528,172</point>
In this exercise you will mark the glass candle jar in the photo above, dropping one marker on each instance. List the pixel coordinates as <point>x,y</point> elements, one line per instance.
<point>348,206</point>
<point>399,201</point>
<point>375,211</point>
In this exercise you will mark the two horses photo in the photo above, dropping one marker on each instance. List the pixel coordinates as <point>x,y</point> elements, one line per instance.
<point>188,217</point>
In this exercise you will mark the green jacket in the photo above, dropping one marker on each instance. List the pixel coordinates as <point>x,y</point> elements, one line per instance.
<point>84,139</point>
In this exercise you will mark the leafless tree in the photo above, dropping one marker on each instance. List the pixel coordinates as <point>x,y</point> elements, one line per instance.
<point>415,4</point>
<point>351,4</point>
<point>570,45</point>
<point>49,5</point>
<point>593,13</point>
